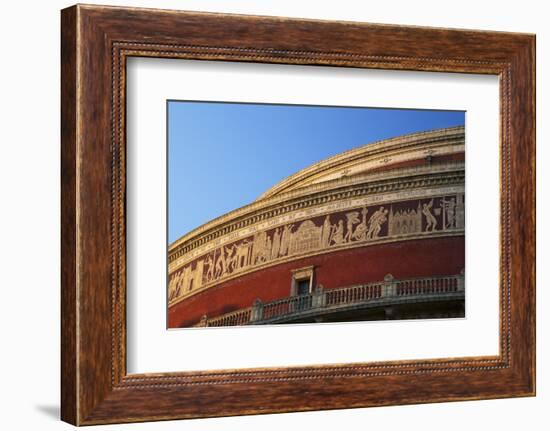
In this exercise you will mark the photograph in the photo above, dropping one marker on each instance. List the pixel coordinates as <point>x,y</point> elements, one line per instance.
<point>291,214</point>
<point>305,214</point>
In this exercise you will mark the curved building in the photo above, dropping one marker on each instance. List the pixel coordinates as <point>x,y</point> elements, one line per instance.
<point>376,232</point>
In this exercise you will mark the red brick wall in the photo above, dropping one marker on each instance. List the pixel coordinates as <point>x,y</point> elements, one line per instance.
<point>419,258</point>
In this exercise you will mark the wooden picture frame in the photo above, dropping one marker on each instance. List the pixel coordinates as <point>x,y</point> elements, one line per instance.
<point>95,43</point>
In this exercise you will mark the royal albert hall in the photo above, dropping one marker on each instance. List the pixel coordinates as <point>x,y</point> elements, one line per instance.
<point>376,232</point>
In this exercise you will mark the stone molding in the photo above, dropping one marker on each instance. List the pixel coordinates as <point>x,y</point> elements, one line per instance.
<point>374,184</point>
<point>436,142</point>
<point>416,145</point>
<point>426,217</point>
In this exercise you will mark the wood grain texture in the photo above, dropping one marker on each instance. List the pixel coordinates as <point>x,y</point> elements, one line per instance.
<point>96,41</point>
<point>69,398</point>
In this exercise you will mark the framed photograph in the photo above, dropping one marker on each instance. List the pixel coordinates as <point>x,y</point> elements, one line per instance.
<point>331,214</point>
<point>338,232</point>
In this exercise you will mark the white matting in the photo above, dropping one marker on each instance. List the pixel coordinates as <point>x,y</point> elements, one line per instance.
<point>152,348</point>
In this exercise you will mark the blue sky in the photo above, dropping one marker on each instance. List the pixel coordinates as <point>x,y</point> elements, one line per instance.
<point>222,156</point>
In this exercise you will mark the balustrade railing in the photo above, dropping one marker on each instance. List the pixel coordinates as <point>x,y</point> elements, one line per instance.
<point>426,286</point>
<point>235,318</point>
<point>293,304</point>
<point>352,294</point>
<point>340,297</point>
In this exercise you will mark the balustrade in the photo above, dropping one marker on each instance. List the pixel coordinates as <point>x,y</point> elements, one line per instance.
<point>338,298</point>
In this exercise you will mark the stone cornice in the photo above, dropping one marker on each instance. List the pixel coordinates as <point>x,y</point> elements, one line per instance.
<point>387,149</point>
<point>342,188</point>
<point>438,142</point>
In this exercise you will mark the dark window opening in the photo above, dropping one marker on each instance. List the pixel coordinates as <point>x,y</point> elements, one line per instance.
<point>302,287</point>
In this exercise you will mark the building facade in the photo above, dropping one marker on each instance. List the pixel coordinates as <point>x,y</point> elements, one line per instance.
<point>373,233</point>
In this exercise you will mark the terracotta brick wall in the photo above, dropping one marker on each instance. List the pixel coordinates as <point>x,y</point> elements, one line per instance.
<point>406,259</point>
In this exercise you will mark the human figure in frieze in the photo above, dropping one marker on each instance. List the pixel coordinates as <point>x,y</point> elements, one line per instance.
<point>327,230</point>
<point>375,223</point>
<point>431,221</point>
<point>360,233</point>
<point>231,259</point>
<point>221,264</point>
<point>276,244</point>
<point>285,239</point>
<point>259,247</point>
<point>174,286</point>
<point>268,248</point>
<point>459,212</point>
<point>210,266</point>
<point>353,218</point>
<point>449,211</point>
<point>337,236</point>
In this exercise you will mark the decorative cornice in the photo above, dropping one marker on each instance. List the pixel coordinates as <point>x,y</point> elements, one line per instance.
<point>316,194</point>
<point>418,145</point>
<point>387,149</point>
<point>333,226</point>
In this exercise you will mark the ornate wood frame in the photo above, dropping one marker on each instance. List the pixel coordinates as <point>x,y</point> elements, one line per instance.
<point>96,41</point>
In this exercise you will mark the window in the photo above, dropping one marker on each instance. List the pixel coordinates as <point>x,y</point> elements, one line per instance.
<point>303,287</point>
<point>302,281</point>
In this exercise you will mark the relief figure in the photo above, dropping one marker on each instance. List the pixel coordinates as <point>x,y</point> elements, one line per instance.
<point>285,239</point>
<point>448,207</point>
<point>431,221</point>
<point>360,233</point>
<point>327,229</point>
<point>375,223</point>
<point>352,218</point>
<point>337,236</point>
<point>210,270</point>
<point>276,244</point>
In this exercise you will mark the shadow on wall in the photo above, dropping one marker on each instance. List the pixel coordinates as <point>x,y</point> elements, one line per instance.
<point>51,411</point>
